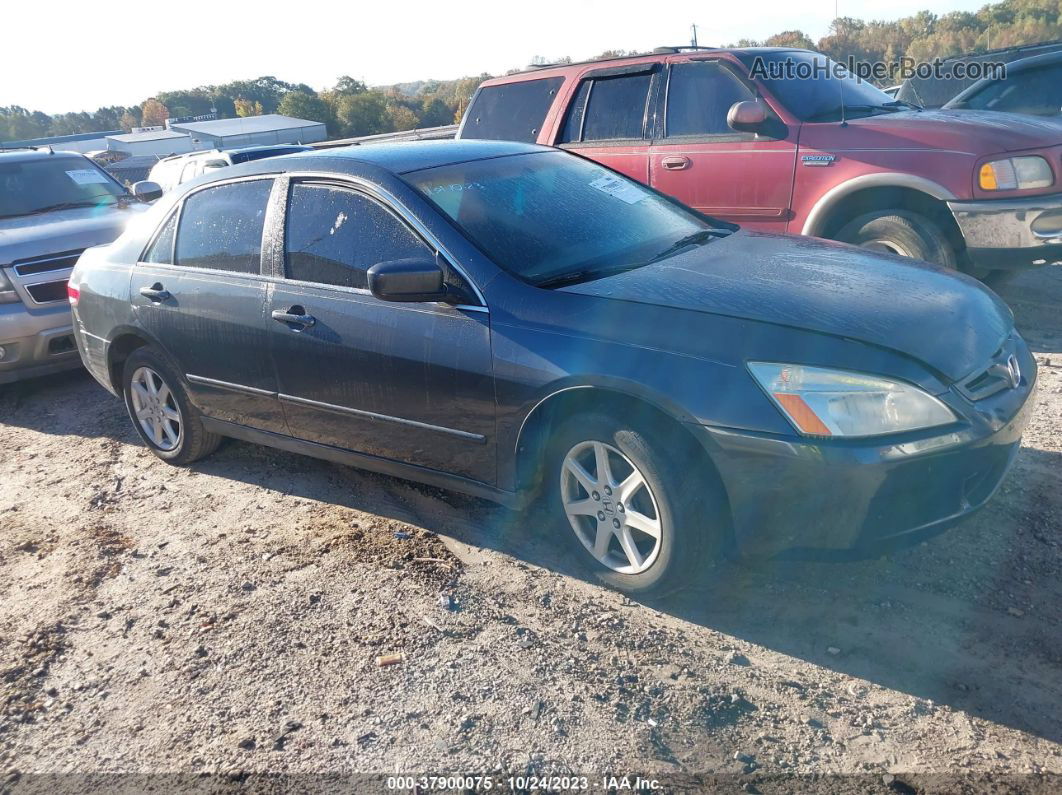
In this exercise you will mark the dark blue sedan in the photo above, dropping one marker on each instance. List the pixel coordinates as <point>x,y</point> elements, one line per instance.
<point>511,320</point>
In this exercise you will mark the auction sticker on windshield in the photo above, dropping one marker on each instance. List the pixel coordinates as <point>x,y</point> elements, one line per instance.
<point>620,189</point>
<point>87,176</point>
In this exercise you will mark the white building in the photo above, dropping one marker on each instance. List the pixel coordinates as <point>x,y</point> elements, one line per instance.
<point>156,142</point>
<point>252,131</point>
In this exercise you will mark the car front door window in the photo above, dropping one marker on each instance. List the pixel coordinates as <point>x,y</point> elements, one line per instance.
<point>699,96</point>
<point>334,235</point>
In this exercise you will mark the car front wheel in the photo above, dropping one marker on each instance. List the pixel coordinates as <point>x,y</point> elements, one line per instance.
<point>161,412</point>
<point>900,232</point>
<point>640,520</point>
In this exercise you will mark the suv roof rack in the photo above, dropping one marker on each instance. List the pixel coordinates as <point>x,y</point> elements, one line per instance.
<point>38,148</point>
<point>680,48</point>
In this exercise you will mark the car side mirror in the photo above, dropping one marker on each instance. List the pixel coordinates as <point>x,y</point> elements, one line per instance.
<point>147,191</point>
<point>419,279</point>
<point>747,116</point>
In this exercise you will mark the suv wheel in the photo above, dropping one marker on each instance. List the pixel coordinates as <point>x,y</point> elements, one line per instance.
<point>161,412</point>
<point>631,515</point>
<point>900,232</point>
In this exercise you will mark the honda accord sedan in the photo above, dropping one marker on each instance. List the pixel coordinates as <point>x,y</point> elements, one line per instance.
<point>514,321</point>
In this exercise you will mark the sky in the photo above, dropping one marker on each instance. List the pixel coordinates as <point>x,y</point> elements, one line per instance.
<point>72,58</point>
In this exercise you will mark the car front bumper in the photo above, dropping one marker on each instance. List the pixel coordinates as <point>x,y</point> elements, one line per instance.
<point>788,493</point>
<point>1011,233</point>
<point>35,342</point>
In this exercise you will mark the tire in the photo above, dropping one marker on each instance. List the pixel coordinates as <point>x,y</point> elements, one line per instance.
<point>161,412</point>
<point>900,232</point>
<point>689,513</point>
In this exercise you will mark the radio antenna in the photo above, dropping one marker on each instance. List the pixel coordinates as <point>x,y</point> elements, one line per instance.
<point>844,120</point>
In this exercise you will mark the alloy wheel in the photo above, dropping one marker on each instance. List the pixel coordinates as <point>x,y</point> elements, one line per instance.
<point>156,409</point>
<point>611,507</point>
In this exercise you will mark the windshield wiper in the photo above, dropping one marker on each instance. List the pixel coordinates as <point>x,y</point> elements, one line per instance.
<point>695,239</point>
<point>56,207</point>
<point>897,102</point>
<point>889,108</point>
<point>585,275</point>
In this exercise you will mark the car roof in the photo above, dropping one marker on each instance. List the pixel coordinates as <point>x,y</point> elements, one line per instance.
<point>661,53</point>
<point>407,156</point>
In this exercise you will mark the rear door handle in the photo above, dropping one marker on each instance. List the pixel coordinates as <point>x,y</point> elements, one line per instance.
<point>155,293</point>
<point>675,163</point>
<point>296,318</point>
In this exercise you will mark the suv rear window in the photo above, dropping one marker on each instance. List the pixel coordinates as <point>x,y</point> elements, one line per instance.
<point>512,111</point>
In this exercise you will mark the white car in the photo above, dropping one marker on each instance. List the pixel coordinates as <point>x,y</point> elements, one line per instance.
<point>172,171</point>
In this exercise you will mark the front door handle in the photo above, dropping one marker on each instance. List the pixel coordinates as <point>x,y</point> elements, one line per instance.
<point>675,163</point>
<point>155,293</point>
<point>295,318</point>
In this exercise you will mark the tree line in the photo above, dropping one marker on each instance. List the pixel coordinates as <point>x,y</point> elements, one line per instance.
<point>926,36</point>
<point>351,108</point>
<point>348,108</point>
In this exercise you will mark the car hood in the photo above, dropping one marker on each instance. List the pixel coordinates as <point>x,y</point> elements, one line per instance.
<point>65,230</point>
<point>946,320</point>
<point>973,131</point>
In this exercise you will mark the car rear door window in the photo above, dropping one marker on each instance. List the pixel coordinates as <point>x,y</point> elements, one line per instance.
<point>333,235</point>
<point>511,112</point>
<point>221,227</point>
<point>609,109</point>
<point>699,96</point>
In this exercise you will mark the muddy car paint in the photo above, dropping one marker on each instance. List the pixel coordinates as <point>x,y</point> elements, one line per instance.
<point>675,336</point>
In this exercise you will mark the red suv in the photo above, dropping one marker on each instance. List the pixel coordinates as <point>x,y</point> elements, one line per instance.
<point>786,140</point>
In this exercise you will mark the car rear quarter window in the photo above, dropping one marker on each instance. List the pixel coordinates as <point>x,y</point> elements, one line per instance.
<point>333,235</point>
<point>511,111</point>
<point>608,109</point>
<point>161,250</point>
<point>221,227</point>
<point>699,96</point>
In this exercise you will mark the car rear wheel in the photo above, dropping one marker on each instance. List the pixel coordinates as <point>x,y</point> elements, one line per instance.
<point>641,521</point>
<point>160,410</point>
<point>903,233</point>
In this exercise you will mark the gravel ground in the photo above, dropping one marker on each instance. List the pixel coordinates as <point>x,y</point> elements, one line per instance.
<point>228,619</point>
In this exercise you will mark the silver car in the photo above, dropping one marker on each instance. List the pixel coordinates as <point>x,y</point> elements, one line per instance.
<point>53,205</point>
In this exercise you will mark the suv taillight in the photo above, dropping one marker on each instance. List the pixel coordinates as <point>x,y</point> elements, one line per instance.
<point>73,294</point>
<point>7,290</point>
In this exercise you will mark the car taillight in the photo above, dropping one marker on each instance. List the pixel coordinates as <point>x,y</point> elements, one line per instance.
<point>72,293</point>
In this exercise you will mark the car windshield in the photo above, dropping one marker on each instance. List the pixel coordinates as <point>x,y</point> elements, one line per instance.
<point>57,182</point>
<point>551,217</point>
<point>811,86</point>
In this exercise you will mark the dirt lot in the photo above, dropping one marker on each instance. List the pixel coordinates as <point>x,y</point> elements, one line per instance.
<point>228,619</point>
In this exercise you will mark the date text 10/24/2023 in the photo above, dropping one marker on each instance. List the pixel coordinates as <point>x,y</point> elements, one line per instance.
<point>476,783</point>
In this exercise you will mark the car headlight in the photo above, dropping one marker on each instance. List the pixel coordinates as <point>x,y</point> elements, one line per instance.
<point>1015,173</point>
<point>7,290</point>
<point>822,402</point>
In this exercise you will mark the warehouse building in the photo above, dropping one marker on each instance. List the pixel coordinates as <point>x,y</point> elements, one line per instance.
<point>81,142</point>
<point>251,131</point>
<point>153,142</point>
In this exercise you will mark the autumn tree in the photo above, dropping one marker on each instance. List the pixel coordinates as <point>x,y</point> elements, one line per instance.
<point>153,113</point>
<point>247,107</point>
